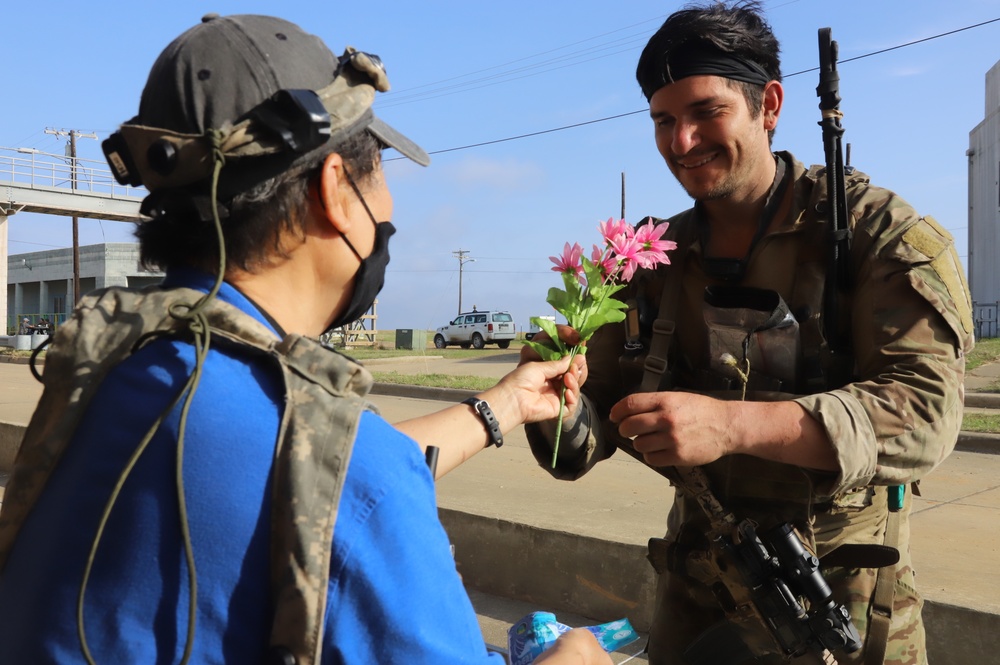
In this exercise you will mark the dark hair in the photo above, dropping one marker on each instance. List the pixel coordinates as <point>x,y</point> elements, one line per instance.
<point>258,219</point>
<point>739,29</point>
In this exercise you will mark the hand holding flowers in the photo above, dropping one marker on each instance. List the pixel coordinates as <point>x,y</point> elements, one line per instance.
<point>587,300</point>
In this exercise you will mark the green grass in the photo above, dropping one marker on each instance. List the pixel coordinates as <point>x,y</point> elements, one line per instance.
<point>368,353</point>
<point>981,422</point>
<point>985,351</point>
<point>9,351</point>
<point>477,383</point>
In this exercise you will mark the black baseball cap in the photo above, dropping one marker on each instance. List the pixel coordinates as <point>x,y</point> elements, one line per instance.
<point>213,77</point>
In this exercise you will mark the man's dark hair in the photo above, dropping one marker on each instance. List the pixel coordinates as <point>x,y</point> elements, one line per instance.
<point>738,29</point>
<point>258,219</point>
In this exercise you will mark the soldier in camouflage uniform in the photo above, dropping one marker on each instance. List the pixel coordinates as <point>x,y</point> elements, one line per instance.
<point>202,480</point>
<point>724,361</point>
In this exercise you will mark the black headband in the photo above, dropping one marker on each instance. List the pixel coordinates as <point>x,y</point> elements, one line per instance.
<point>703,60</point>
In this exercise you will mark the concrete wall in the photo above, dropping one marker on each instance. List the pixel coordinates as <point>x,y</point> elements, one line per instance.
<point>42,282</point>
<point>984,198</point>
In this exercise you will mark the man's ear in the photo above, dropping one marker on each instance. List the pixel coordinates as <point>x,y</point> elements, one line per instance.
<point>332,193</point>
<point>773,98</point>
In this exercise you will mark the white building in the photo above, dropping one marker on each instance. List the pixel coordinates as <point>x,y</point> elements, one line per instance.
<point>984,211</point>
<point>41,283</point>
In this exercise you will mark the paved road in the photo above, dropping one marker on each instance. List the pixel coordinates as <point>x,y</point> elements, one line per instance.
<point>955,547</point>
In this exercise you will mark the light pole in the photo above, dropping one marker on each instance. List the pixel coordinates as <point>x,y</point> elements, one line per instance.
<point>73,135</point>
<point>462,257</point>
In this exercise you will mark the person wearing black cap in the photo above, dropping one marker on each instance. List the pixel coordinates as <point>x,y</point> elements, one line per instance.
<point>723,363</point>
<point>202,480</point>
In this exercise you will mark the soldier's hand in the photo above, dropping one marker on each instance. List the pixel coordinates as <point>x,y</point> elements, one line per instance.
<point>676,428</point>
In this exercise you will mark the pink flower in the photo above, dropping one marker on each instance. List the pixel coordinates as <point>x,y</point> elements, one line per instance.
<point>652,249</point>
<point>569,261</point>
<point>604,260</point>
<point>611,230</point>
<point>625,251</point>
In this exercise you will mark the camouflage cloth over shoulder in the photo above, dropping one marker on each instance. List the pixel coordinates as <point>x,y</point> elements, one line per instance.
<point>324,399</point>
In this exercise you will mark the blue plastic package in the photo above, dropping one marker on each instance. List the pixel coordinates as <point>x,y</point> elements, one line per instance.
<point>538,631</point>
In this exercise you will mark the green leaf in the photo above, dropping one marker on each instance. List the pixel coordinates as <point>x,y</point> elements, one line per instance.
<point>553,344</point>
<point>546,352</point>
<point>573,287</point>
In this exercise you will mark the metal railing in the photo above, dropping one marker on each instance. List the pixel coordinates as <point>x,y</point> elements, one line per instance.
<point>35,320</point>
<point>985,319</point>
<point>34,168</point>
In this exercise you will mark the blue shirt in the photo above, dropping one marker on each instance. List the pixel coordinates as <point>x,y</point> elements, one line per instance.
<point>394,593</point>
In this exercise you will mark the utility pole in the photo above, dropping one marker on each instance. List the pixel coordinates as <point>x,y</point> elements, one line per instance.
<point>623,195</point>
<point>462,257</point>
<point>73,134</point>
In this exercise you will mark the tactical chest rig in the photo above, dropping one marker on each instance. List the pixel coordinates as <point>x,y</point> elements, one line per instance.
<point>791,261</point>
<point>324,398</point>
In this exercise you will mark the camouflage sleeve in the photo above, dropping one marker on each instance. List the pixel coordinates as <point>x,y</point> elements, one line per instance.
<point>911,327</point>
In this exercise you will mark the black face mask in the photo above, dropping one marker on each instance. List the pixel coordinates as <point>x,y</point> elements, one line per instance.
<point>370,277</point>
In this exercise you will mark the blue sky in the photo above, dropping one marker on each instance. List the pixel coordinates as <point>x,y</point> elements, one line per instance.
<point>466,73</point>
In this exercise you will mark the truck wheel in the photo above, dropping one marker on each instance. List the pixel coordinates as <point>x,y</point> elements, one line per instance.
<point>503,344</point>
<point>477,341</point>
<point>439,341</point>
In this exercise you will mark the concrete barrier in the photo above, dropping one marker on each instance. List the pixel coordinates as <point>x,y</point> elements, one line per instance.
<point>10,441</point>
<point>606,580</point>
<point>559,571</point>
<point>22,342</point>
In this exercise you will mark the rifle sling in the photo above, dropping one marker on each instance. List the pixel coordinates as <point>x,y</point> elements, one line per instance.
<point>885,589</point>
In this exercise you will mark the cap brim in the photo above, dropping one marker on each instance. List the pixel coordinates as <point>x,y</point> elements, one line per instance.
<point>394,139</point>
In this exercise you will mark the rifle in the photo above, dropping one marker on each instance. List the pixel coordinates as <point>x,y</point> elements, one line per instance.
<point>774,572</point>
<point>838,271</point>
<point>777,570</point>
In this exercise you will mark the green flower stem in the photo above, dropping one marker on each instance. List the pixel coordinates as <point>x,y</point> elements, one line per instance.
<point>562,407</point>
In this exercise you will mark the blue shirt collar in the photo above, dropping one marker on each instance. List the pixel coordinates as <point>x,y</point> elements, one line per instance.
<point>192,278</point>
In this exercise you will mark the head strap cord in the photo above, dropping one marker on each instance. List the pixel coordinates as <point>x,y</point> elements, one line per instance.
<point>357,192</point>
<point>201,333</point>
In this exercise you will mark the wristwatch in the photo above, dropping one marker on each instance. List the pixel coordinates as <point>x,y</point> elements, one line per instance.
<point>485,413</point>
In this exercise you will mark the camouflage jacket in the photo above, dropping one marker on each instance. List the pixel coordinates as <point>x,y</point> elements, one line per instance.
<point>324,398</point>
<point>908,317</point>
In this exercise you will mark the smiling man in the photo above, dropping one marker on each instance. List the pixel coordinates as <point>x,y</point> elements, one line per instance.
<point>724,362</point>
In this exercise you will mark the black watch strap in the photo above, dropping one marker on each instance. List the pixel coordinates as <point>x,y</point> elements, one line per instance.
<point>485,413</point>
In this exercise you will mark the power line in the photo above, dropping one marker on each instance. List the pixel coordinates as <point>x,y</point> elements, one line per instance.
<point>410,95</point>
<point>622,115</point>
<point>893,48</point>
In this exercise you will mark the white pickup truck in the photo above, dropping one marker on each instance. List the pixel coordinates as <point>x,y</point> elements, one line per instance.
<point>477,329</point>
<point>534,329</point>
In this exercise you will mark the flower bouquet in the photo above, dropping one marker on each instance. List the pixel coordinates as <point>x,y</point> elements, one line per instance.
<point>587,300</point>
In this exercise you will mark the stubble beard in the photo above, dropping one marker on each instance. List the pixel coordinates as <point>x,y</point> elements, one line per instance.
<point>720,190</point>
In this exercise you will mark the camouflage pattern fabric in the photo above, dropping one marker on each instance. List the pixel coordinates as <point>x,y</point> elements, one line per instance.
<point>324,400</point>
<point>909,320</point>
<point>685,606</point>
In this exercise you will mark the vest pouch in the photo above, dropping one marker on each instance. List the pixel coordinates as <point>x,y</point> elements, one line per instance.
<point>632,364</point>
<point>747,324</point>
<point>769,493</point>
